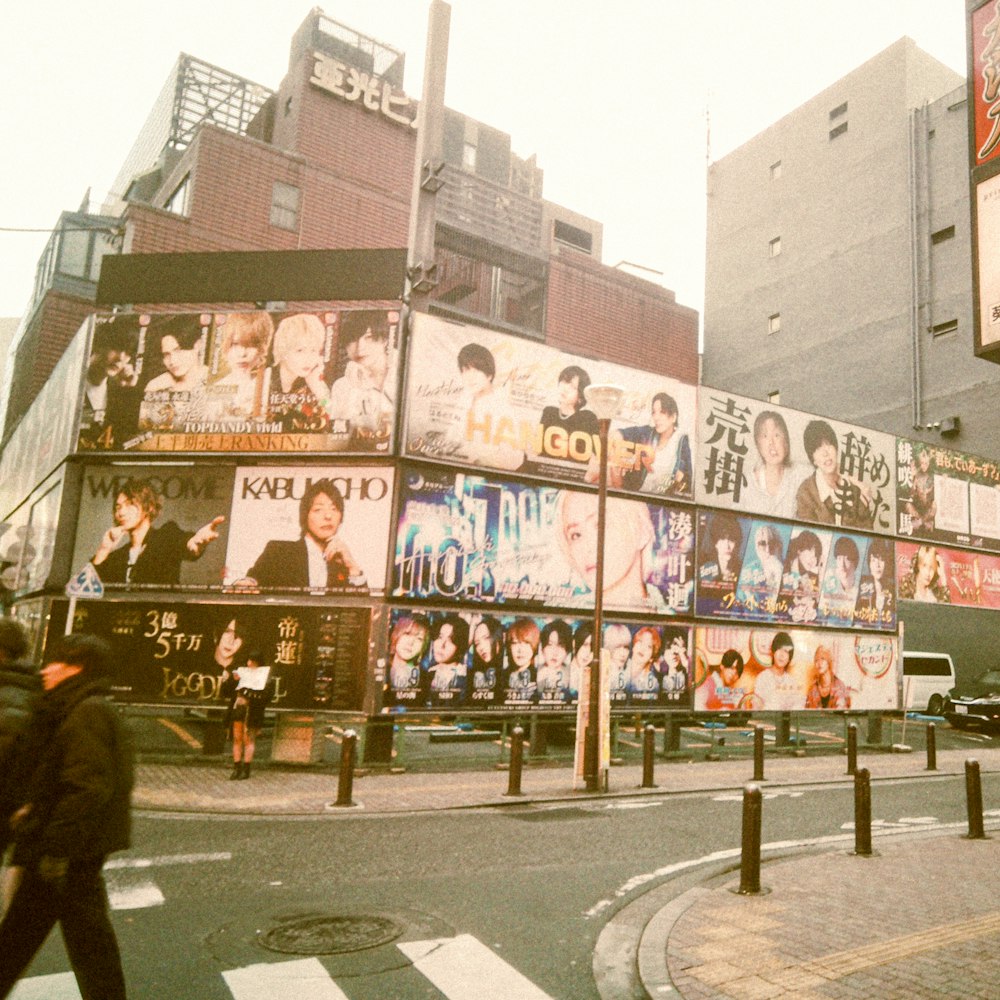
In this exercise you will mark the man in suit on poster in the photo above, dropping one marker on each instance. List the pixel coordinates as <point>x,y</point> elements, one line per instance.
<point>320,558</point>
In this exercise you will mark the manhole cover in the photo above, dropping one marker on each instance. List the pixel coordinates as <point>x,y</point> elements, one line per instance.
<point>325,935</point>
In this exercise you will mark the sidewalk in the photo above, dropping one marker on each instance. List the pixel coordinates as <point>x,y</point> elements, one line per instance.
<point>916,920</point>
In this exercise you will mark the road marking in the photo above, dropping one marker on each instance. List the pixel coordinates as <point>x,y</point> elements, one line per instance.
<point>463,968</point>
<point>61,986</point>
<point>127,894</point>
<point>167,859</point>
<point>301,979</point>
<point>738,796</point>
<point>181,732</point>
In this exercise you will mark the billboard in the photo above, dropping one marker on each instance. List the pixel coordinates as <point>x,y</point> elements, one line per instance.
<point>145,526</point>
<point>319,529</point>
<point>169,653</point>
<point>252,381</point>
<point>488,399</point>
<point>984,80</point>
<point>933,574</point>
<point>947,495</point>
<point>760,458</point>
<point>439,660</point>
<point>752,569</point>
<point>464,537</point>
<point>764,669</point>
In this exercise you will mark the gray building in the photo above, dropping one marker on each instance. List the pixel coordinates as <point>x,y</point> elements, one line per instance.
<point>838,271</point>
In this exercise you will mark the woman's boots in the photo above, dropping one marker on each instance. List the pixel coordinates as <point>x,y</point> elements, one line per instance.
<point>240,771</point>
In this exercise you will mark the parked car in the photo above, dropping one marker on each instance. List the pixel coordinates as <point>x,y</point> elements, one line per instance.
<point>978,705</point>
<point>927,679</point>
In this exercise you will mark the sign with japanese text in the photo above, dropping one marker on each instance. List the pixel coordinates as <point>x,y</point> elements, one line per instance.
<point>320,529</point>
<point>322,381</point>
<point>947,495</point>
<point>987,260</point>
<point>985,81</point>
<point>371,91</point>
<point>763,669</point>
<point>469,538</point>
<point>478,397</point>
<point>933,574</point>
<point>751,569</point>
<point>168,653</point>
<point>438,659</point>
<point>760,458</point>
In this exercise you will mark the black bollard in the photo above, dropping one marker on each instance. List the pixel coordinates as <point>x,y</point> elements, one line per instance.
<point>974,800</point>
<point>758,753</point>
<point>345,782</point>
<point>750,855</point>
<point>516,761</point>
<point>862,813</point>
<point>852,748</point>
<point>931,747</point>
<point>648,737</point>
<point>671,734</point>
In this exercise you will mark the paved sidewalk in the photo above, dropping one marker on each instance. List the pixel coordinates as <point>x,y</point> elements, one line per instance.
<point>272,791</point>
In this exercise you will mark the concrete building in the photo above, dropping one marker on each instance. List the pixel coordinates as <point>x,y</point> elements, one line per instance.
<point>838,273</point>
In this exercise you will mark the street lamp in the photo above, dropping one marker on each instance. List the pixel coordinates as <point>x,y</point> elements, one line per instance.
<point>604,401</point>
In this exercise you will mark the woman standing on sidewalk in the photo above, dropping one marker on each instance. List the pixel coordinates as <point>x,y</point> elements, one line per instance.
<point>250,690</point>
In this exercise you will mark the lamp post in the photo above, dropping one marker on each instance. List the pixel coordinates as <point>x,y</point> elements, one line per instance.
<point>604,401</point>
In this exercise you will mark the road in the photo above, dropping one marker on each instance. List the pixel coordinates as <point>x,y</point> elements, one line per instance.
<point>508,898</point>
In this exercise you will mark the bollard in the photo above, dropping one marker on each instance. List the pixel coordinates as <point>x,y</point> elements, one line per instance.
<point>974,800</point>
<point>345,782</point>
<point>750,854</point>
<point>852,748</point>
<point>648,737</point>
<point>862,813</point>
<point>758,753</point>
<point>516,761</point>
<point>931,747</point>
<point>671,734</point>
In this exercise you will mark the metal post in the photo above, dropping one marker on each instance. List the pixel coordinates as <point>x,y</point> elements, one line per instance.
<point>862,813</point>
<point>750,855</point>
<point>758,753</point>
<point>852,748</point>
<point>974,800</point>
<point>671,734</point>
<point>592,751</point>
<point>931,747</point>
<point>783,730</point>
<point>345,781</point>
<point>516,761</point>
<point>648,736</point>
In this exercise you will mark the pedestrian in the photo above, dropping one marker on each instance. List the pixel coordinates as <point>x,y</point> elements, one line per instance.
<point>250,690</point>
<point>74,812</point>
<point>20,689</point>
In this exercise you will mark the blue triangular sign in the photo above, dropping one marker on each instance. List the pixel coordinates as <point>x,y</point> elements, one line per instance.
<point>86,583</point>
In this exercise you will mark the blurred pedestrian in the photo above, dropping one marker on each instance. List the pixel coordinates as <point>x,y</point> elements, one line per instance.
<point>74,812</point>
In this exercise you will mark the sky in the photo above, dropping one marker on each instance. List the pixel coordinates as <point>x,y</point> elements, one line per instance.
<point>623,103</point>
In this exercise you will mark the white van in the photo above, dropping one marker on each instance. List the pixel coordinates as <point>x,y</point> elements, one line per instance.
<point>927,678</point>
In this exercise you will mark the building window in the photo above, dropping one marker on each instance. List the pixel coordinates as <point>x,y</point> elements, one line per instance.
<point>774,323</point>
<point>941,329</point>
<point>571,236</point>
<point>838,131</point>
<point>285,206</point>
<point>775,170</point>
<point>179,198</point>
<point>469,153</point>
<point>774,247</point>
<point>840,109</point>
<point>774,397</point>
<point>948,233</point>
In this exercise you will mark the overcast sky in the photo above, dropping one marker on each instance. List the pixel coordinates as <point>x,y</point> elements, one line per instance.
<point>614,98</point>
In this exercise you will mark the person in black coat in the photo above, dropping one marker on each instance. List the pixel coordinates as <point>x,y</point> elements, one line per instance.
<point>250,690</point>
<point>320,559</point>
<point>75,811</point>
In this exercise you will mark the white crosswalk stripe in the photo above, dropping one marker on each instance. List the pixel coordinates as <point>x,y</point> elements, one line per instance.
<point>61,986</point>
<point>463,968</point>
<point>301,979</point>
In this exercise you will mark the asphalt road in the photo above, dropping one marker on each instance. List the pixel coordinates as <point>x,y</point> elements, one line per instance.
<point>517,892</point>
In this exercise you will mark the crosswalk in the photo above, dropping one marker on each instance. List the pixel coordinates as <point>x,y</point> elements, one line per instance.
<point>459,968</point>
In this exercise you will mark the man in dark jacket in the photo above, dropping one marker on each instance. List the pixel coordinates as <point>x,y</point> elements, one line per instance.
<point>75,812</point>
<point>20,690</point>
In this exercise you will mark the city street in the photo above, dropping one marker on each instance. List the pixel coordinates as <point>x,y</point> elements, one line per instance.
<point>467,904</point>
